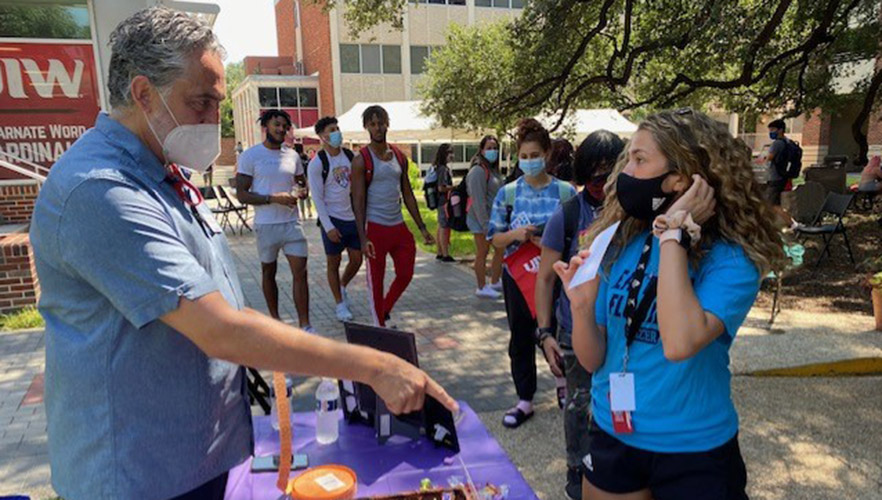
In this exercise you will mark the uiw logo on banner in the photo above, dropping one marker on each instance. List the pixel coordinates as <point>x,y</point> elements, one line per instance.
<point>523,265</point>
<point>42,81</point>
<point>48,98</point>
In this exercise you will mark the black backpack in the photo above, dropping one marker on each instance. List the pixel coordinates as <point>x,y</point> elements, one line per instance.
<point>790,164</point>
<point>430,191</point>
<point>326,168</point>
<point>457,205</point>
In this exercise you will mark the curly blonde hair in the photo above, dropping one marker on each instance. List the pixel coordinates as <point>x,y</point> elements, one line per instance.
<point>694,143</point>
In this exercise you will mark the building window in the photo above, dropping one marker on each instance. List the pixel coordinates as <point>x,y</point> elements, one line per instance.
<point>288,97</point>
<point>370,59</point>
<point>350,61</point>
<point>308,98</point>
<point>501,4</point>
<point>268,97</point>
<point>392,59</point>
<point>418,56</point>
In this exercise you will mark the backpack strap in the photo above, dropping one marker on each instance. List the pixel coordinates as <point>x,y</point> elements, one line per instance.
<point>510,190</point>
<point>368,160</point>
<point>326,165</point>
<point>564,191</point>
<point>349,154</point>
<point>571,213</point>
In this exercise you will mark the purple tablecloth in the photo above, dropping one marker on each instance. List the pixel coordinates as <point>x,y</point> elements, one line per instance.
<point>397,466</point>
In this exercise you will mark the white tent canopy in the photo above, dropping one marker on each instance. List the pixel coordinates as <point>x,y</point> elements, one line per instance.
<point>406,124</point>
<point>584,121</point>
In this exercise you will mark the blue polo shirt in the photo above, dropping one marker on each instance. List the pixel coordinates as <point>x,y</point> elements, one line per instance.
<point>134,408</point>
<point>682,406</point>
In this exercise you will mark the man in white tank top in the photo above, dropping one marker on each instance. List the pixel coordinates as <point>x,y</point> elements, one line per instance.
<point>379,183</point>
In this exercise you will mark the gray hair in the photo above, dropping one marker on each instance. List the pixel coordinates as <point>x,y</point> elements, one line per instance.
<point>156,43</point>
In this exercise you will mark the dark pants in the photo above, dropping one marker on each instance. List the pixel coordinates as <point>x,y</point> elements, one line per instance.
<point>522,345</point>
<point>212,490</point>
<point>576,410</point>
<point>773,191</point>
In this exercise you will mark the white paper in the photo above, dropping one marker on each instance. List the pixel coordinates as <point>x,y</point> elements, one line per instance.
<point>385,425</point>
<point>588,270</point>
<point>621,392</point>
<point>329,482</point>
<point>351,403</point>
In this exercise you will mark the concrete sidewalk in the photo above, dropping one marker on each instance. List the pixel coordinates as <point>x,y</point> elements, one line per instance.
<point>802,438</point>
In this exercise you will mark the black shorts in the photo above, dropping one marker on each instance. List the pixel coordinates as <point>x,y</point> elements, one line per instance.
<point>717,474</point>
<point>773,191</point>
<point>348,231</point>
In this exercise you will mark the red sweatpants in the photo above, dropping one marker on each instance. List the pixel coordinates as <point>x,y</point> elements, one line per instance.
<point>396,241</point>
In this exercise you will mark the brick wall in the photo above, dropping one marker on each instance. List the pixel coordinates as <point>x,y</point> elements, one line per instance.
<point>17,201</point>
<point>316,28</point>
<point>228,152</point>
<point>285,33</point>
<point>19,286</point>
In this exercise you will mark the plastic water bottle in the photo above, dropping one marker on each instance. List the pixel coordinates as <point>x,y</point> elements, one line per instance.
<point>327,418</point>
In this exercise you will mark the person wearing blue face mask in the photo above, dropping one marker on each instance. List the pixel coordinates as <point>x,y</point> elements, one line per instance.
<point>483,182</point>
<point>520,210</point>
<point>329,175</point>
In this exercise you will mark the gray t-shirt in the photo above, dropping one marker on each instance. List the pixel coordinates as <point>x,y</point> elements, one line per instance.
<point>482,190</point>
<point>134,408</point>
<point>778,147</point>
<point>384,192</point>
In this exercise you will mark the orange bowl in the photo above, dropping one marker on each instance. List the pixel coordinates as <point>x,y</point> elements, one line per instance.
<point>325,482</point>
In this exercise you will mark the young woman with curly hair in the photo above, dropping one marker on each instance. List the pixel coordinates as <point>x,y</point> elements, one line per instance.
<point>693,242</point>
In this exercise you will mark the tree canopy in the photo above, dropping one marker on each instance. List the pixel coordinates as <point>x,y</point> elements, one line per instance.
<point>640,55</point>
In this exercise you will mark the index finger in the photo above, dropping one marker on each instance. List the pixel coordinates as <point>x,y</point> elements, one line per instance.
<point>435,390</point>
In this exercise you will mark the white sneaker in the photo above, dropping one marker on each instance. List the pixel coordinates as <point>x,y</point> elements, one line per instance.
<point>487,293</point>
<point>308,329</point>
<point>343,312</point>
<point>497,286</point>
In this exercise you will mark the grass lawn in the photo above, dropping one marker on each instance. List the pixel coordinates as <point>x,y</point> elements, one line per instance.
<point>26,318</point>
<point>461,244</point>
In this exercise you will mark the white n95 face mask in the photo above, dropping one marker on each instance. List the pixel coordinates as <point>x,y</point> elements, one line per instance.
<point>193,146</point>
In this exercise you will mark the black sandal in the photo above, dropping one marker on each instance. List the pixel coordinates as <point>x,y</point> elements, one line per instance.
<point>519,416</point>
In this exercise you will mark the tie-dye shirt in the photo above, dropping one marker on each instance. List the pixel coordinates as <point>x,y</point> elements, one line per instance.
<point>531,206</point>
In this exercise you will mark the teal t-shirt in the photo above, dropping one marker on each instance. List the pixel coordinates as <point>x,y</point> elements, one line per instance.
<point>681,406</point>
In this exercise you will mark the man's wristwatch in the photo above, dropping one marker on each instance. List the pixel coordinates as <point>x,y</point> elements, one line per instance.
<point>542,333</point>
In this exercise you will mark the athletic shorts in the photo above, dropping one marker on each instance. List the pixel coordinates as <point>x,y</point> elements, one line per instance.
<point>716,474</point>
<point>348,230</point>
<point>287,237</point>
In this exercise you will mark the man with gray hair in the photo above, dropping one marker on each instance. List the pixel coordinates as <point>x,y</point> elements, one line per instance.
<point>146,327</point>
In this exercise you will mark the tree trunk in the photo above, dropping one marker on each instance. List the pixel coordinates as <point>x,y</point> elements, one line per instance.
<point>864,116</point>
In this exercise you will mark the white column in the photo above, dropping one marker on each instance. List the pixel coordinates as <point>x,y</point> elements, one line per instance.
<point>470,5</point>
<point>405,53</point>
<point>335,62</point>
<point>733,124</point>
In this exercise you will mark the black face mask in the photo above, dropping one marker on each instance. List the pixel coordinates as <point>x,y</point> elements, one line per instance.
<point>643,199</point>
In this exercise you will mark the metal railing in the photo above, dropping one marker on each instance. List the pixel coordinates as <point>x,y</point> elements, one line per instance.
<point>23,167</point>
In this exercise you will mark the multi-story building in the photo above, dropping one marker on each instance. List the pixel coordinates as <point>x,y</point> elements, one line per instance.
<point>382,64</point>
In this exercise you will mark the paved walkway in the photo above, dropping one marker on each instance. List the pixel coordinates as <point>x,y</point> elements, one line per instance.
<point>801,438</point>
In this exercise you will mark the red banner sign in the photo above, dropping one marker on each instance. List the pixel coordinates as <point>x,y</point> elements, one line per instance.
<point>48,98</point>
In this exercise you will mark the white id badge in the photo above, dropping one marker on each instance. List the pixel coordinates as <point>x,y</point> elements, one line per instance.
<point>621,392</point>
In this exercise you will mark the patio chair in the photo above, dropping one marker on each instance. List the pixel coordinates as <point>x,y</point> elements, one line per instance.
<point>235,207</point>
<point>795,253</point>
<point>836,205</point>
<point>258,390</point>
<point>220,211</point>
